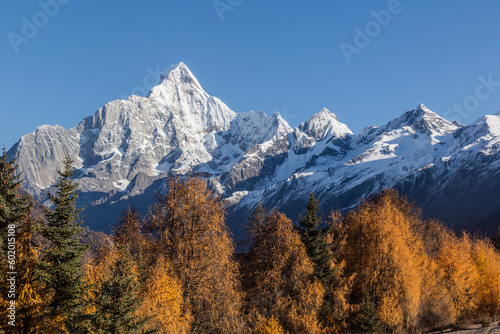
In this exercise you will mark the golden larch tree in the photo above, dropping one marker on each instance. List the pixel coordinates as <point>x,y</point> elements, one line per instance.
<point>277,274</point>
<point>187,226</point>
<point>386,257</point>
<point>487,260</point>
<point>459,274</point>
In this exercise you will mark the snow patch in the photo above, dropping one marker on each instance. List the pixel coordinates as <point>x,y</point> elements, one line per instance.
<point>121,185</point>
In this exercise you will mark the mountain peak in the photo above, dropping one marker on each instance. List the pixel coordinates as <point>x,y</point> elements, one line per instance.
<point>419,112</point>
<point>178,74</point>
<point>422,107</point>
<point>324,123</point>
<point>326,112</point>
<point>422,119</point>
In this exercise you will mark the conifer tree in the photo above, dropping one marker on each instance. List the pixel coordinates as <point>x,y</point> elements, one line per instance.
<point>118,299</point>
<point>387,258</point>
<point>460,275</point>
<point>31,302</point>
<point>277,274</point>
<point>161,290</point>
<point>163,297</point>
<point>62,261</point>
<point>128,232</point>
<point>13,208</point>
<point>487,261</point>
<point>320,243</point>
<point>314,238</point>
<point>188,227</point>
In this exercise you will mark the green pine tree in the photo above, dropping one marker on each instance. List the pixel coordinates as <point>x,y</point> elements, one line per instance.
<point>321,252</point>
<point>367,320</point>
<point>118,299</point>
<point>62,260</point>
<point>13,208</point>
<point>314,238</point>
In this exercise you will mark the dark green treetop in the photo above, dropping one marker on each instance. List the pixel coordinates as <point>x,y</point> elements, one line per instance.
<point>314,237</point>
<point>119,298</point>
<point>62,259</point>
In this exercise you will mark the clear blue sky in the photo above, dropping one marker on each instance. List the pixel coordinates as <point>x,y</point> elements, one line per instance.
<point>263,55</point>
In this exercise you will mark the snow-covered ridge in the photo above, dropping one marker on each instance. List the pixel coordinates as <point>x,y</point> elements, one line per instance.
<point>126,148</point>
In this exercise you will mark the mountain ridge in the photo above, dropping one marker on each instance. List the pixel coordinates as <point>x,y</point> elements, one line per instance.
<point>123,152</point>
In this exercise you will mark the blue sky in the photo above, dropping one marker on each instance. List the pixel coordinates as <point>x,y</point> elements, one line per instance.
<point>285,56</point>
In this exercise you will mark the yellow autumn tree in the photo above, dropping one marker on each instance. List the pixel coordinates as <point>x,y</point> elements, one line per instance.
<point>277,275</point>
<point>31,301</point>
<point>436,309</point>
<point>383,252</point>
<point>129,232</point>
<point>487,261</point>
<point>187,226</point>
<point>161,292</point>
<point>30,295</point>
<point>268,326</point>
<point>163,298</point>
<point>459,274</point>
<point>336,316</point>
<point>97,270</point>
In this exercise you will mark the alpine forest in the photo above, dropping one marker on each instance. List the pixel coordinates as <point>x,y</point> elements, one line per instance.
<point>376,268</point>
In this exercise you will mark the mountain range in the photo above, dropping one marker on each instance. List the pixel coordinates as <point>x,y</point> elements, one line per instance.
<point>124,152</point>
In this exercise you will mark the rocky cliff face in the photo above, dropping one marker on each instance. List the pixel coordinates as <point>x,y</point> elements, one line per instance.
<point>125,150</point>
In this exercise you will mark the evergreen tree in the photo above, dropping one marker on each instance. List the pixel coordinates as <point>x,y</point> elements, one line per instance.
<point>314,238</point>
<point>118,299</point>
<point>367,320</point>
<point>13,208</point>
<point>62,261</point>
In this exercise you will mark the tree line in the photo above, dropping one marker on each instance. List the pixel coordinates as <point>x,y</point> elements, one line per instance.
<point>379,267</point>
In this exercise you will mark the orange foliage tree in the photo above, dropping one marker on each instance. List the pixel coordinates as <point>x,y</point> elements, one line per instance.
<point>277,275</point>
<point>487,260</point>
<point>386,258</point>
<point>163,298</point>
<point>458,274</point>
<point>187,227</point>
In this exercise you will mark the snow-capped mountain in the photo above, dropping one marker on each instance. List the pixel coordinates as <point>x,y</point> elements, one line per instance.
<point>123,153</point>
